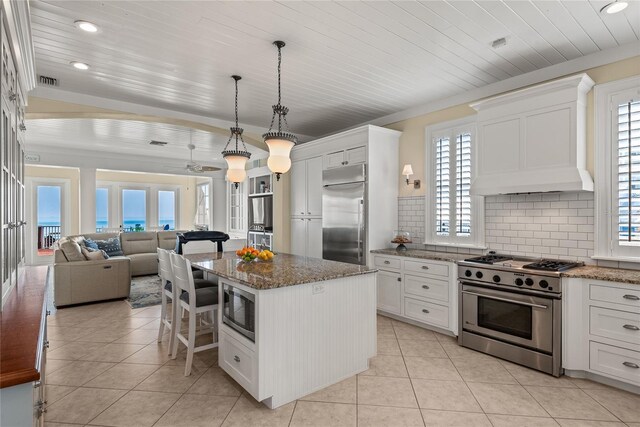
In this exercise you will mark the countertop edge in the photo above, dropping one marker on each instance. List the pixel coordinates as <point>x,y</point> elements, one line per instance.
<point>297,283</point>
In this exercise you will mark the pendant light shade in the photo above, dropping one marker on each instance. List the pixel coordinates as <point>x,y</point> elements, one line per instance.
<point>236,159</point>
<point>279,139</point>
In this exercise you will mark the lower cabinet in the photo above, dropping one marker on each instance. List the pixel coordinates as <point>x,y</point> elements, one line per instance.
<point>390,292</point>
<point>418,290</point>
<point>306,237</point>
<point>601,335</point>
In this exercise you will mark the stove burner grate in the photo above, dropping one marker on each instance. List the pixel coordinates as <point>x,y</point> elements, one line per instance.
<point>489,259</point>
<point>551,265</point>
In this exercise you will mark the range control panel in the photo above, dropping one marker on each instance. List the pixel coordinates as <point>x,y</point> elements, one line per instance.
<point>516,279</point>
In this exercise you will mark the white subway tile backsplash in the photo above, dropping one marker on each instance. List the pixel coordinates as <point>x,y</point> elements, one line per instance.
<point>551,225</point>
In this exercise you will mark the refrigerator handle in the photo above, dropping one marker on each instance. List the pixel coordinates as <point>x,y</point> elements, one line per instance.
<point>360,218</point>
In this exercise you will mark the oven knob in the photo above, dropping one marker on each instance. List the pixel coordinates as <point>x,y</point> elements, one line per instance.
<point>519,282</point>
<point>496,278</point>
<point>479,274</point>
<point>467,273</point>
<point>544,284</point>
<point>529,281</point>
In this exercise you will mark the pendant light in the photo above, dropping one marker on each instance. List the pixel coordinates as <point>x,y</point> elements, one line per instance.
<point>236,159</point>
<point>279,140</point>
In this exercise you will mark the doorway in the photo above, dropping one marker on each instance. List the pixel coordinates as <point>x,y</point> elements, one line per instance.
<point>47,208</point>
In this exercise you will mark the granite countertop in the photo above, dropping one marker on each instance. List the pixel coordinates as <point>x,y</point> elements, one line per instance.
<point>283,270</point>
<point>421,254</point>
<point>586,272</point>
<point>604,273</point>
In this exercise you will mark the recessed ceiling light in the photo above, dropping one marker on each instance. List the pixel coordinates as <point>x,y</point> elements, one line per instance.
<point>80,65</point>
<point>87,26</point>
<point>615,7</point>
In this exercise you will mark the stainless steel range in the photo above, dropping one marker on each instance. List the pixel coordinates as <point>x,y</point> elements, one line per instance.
<point>511,308</point>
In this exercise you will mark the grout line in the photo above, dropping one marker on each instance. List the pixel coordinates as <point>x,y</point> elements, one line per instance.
<point>295,406</point>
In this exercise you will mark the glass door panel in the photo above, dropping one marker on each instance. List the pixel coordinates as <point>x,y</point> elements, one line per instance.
<point>49,218</point>
<point>102,208</point>
<point>167,209</point>
<point>134,210</point>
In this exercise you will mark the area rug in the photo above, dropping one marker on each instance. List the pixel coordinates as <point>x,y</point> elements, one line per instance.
<point>145,291</point>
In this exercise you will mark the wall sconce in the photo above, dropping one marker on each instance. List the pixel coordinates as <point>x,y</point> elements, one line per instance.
<point>407,171</point>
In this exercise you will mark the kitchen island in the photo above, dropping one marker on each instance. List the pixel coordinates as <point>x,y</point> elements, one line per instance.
<point>302,323</point>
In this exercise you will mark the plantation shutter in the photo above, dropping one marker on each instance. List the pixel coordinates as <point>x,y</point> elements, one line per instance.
<point>442,186</point>
<point>629,172</point>
<point>463,184</point>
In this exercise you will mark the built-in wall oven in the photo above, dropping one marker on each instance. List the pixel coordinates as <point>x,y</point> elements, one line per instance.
<point>512,310</point>
<point>239,311</point>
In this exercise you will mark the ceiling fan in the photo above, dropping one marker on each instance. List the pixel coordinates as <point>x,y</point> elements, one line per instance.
<point>195,167</point>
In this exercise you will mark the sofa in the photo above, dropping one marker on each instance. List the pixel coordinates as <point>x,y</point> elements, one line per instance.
<point>79,280</point>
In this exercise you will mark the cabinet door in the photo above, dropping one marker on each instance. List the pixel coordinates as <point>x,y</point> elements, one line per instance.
<point>353,156</point>
<point>299,236</point>
<point>314,186</point>
<point>298,188</point>
<point>314,237</point>
<point>389,292</point>
<point>334,160</point>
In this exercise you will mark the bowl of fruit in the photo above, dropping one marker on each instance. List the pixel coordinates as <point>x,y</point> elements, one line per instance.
<point>249,254</point>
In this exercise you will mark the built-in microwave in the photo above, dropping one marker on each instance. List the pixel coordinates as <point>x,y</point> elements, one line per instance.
<point>239,311</point>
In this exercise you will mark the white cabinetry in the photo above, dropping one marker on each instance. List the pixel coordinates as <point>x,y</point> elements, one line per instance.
<point>534,139</point>
<point>306,187</point>
<point>351,156</point>
<point>306,237</point>
<point>421,291</point>
<point>371,145</point>
<point>601,330</point>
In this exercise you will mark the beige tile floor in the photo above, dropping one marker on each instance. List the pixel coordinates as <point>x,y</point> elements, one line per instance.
<point>105,368</point>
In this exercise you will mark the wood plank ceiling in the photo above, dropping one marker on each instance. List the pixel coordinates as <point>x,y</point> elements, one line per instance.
<point>345,62</point>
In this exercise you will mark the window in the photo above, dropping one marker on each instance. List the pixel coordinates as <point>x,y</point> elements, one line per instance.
<point>453,215</point>
<point>202,205</point>
<point>167,209</point>
<point>102,208</point>
<point>134,210</point>
<point>618,170</point>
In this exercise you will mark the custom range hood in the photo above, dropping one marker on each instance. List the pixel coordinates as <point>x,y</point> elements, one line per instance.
<point>534,140</point>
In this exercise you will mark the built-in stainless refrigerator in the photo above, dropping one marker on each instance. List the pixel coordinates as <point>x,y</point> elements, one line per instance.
<point>344,196</point>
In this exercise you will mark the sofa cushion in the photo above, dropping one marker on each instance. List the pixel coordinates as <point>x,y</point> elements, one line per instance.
<point>143,264</point>
<point>167,239</point>
<point>91,244</point>
<point>110,246</point>
<point>71,250</point>
<point>94,254</point>
<point>139,242</point>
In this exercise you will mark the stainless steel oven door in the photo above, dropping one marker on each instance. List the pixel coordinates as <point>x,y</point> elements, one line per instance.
<point>239,311</point>
<point>507,316</point>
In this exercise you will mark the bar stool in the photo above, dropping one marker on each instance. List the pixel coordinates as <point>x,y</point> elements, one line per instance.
<point>169,292</point>
<point>194,301</point>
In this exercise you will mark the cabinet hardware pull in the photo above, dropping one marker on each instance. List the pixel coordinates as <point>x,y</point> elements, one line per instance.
<point>631,297</point>
<point>424,267</point>
<point>46,343</point>
<point>424,310</point>
<point>236,358</point>
<point>106,267</point>
<point>387,262</point>
<point>37,384</point>
<point>630,365</point>
<point>301,219</point>
<point>48,312</point>
<point>399,279</point>
<point>308,213</point>
<point>425,287</point>
<point>631,327</point>
<point>301,213</point>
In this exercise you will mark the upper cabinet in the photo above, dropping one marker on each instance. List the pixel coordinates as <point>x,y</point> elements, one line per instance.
<point>306,187</point>
<point>351,156</point>
<point>534,140</point>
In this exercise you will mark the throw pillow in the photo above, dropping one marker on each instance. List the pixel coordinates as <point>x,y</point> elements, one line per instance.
<point>71,250</point>
<point>88,243</point>
<point>94,255</point>
<point>110,246</point>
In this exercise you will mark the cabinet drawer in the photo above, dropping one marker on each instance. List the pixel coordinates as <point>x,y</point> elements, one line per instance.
<point>353,156</point>
<point>427,312</point>
<point>621,296</point>
<point>239,362</point>
<point>427,268</point>
<point>614,324</point>
<point>334,160</point>
<point>387,262</point>
<point>614,361</point>
<point>426,287</point>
